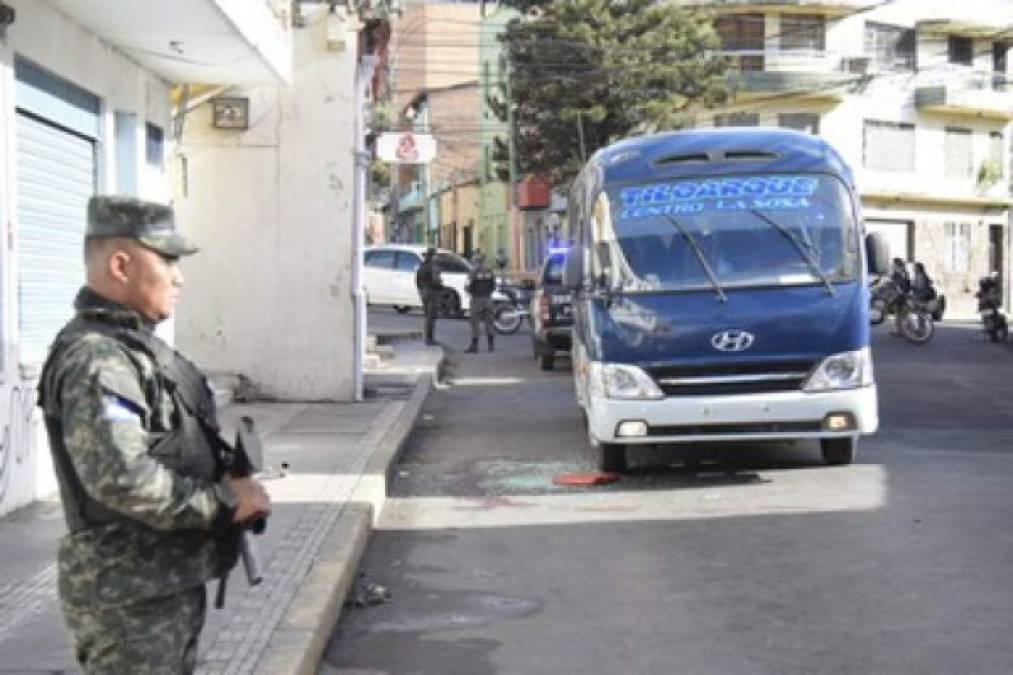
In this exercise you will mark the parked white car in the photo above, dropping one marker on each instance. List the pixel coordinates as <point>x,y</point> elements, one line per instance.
<point>390,277</point>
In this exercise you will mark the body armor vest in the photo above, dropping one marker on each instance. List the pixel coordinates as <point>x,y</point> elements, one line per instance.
<point>428,276</point>
<point>192,447</point>
<point>482,283</point>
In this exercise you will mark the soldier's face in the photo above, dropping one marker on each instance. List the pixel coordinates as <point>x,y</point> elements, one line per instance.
<point>154,283</point>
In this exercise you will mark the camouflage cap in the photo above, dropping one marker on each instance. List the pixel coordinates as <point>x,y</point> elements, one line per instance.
<point>149,223</point>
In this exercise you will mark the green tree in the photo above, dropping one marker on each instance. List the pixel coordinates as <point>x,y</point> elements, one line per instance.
<point>594,71</point>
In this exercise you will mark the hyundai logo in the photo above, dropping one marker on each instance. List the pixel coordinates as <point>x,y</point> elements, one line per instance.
<point>732,341</point>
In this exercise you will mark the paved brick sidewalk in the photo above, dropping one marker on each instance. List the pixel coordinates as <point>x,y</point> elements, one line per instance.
<point>337,455</point>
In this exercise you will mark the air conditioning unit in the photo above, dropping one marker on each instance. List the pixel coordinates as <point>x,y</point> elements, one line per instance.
<point>858,65</point>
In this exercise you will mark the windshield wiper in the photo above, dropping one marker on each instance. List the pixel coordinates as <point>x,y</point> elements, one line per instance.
<point>804,250</point>
<point>702,258</point>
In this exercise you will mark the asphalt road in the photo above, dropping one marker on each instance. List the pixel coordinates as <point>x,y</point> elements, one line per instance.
<point>703,560</point>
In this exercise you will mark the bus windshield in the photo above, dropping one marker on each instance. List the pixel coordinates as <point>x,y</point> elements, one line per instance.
<point>726,232</point>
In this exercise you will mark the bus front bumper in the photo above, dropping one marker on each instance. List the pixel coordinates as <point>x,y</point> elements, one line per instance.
<point>747,417</point>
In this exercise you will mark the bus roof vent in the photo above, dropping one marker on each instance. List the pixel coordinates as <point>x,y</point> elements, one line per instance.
<point>719,156</point>
<point>685,159</point>
<point>750,155</point>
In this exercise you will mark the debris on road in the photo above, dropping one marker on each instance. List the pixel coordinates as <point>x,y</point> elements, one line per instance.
<point>585,478</point>
<point>366,593</point>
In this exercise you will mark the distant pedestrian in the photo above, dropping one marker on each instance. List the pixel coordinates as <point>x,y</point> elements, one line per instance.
<point>922,286</point>
<point>900,275</point>
<point>151,514</point>
<point>431,290</point>
<point>481,283</point>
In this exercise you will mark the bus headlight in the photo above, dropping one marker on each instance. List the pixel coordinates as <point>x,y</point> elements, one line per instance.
<point>847,370</point>
<point>622,381</point>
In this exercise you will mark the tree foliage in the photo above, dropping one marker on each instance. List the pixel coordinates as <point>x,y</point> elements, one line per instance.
<point>612,68</point>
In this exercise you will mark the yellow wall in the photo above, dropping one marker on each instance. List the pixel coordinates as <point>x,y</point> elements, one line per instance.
<point>459,207</point>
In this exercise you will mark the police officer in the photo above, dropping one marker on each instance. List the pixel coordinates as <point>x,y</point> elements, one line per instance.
<point>481,283</point>
<point>133,435</point>
<point>900,276</point>
<point>431,289</point>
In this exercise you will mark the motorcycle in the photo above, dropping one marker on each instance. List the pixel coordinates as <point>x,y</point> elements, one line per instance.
<point>989,304</point>
<point>914,316</point>
<point>508,315</point>
<point>914,320</point>
<point>880,292</point>
<point>884,288</point>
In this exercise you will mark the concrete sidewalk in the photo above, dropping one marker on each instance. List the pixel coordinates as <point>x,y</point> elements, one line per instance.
<point>328,474</point>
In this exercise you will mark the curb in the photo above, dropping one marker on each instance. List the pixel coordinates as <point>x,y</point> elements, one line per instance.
<point>377,469</point>
<point>297,645</point>
<point>391,336</point>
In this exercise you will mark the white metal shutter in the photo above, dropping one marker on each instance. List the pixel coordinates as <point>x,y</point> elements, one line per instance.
<point>55,178</point>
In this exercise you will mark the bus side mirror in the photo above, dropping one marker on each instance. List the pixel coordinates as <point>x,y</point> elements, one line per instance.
<point>877,251</point>
<point>573,270</point>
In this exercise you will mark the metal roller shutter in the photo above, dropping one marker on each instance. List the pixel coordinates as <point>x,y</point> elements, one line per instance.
<point>56,175</point>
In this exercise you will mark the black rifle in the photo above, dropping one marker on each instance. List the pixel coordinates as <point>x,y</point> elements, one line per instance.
<point>242,461</point>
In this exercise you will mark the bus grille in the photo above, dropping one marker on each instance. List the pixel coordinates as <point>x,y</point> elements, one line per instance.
<point>732,378</point>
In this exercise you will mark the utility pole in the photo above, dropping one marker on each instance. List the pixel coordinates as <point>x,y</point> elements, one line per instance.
<point>512,151</point>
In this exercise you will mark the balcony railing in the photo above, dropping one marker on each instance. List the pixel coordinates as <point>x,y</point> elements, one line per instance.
<point>974,93</point>
<point>773,70</point>
<point>790,60</point>
<point>828,7</point>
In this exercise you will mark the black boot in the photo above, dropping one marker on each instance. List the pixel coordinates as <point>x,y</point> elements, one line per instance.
<point>474,346</point>
<point>490,343</point>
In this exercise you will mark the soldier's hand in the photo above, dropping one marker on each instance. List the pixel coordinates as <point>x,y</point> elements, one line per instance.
<point>252,500</point>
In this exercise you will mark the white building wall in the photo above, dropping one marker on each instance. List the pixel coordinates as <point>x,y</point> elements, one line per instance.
<point>269,296</point>
<point>57,44</point>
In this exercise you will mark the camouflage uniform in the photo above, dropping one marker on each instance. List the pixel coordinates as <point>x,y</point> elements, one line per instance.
<point>148,525</point>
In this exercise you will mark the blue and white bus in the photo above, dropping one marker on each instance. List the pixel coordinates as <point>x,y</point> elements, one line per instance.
<point>720,294</point>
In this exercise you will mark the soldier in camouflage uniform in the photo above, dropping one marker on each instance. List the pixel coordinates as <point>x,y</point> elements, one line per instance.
<point>481,283</point>
<point>131,423</point>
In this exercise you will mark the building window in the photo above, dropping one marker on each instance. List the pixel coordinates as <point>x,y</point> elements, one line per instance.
<point>742,33</point>
<point>890,47</point>
<point>803,32</point>
<point>958,156</point>
<point>997,150</point>
<point>958,247</point>
<point>737,120</point>
<point>154,146</point>
<point>961,50</point>
<point>807,122</point>
<point>888,146</point>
